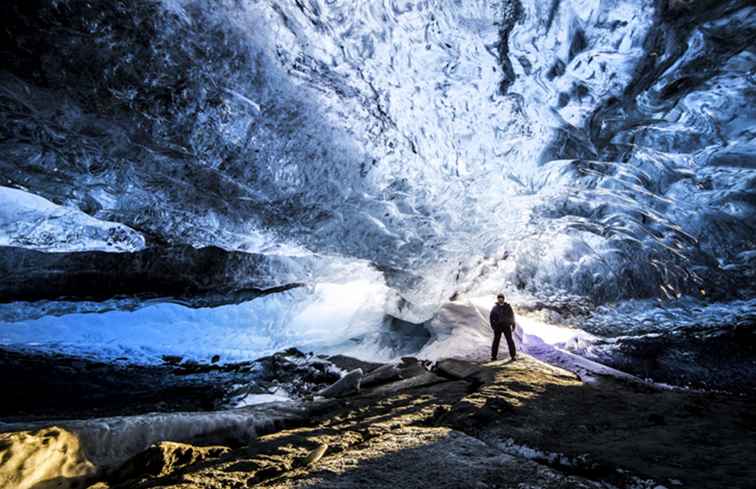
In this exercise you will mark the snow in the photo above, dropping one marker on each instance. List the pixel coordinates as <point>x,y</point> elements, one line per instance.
<point>31,221</point>
<point>252,399</point>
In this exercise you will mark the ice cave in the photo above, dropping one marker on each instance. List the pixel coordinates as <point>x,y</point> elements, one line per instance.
<point>256,243</point>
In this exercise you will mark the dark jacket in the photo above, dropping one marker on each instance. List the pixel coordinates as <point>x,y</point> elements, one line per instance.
<point>502,316</point>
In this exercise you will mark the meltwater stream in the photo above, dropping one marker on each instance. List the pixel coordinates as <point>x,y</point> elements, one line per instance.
<point>593,159</point>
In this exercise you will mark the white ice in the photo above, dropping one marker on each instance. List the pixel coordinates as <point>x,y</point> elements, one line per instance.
<point>327,317</point>
<point>31,221</point>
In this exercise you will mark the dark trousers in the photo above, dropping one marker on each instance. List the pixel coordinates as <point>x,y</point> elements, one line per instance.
<point>507,330</point>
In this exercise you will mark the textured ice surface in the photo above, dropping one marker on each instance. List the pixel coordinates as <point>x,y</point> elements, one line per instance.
<point>328,317</point>
<point>30,221</point>
<point>598,150</point>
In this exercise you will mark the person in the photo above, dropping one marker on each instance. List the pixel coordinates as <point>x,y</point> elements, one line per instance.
<point>502,321</point>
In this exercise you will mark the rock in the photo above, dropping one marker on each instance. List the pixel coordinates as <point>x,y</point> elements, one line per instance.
<point>348,384</point>
<point>657,419</point>
<point>411,367</point>
<point>456,369</point>
<point>412,371</point>
<point>244,390</point>
<point>349,363</point>
<point>50,457</point>
<point>299,374</point>
<point>422,380</point>
<point>429,457</point>
<point>316,454</point>
<point>196,276</point>
<point>172,359</point>
<point>165,458</point>
<point>290,352</point>
<point>381,375</point>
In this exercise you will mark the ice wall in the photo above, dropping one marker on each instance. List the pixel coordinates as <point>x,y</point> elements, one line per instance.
<point>602,150</point>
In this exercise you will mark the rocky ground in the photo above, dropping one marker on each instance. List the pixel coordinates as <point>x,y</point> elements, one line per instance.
<point>57,386</point>
<point>454,424</point>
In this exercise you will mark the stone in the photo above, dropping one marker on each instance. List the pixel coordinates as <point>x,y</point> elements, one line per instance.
<point>348,384</point>
<point>350,363</point>
<point>316,454</point>
<point>172,359</point>
<point>413,457</point>
<point>50,457</point>
<point>381,375</point>
<point>456,369</point>
<point>413,371</point>
<point>422,380</point>
<point>165,458</point>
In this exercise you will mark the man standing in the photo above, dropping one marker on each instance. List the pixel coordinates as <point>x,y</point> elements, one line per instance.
<point>502,321</point>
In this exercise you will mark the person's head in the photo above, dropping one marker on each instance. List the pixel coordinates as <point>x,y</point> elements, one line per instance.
<point>500,299</point>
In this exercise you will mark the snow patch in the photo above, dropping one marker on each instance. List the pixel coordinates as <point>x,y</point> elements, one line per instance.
<point>31,221</point>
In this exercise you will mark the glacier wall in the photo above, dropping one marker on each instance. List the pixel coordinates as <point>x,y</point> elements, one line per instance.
<point>592,151</point>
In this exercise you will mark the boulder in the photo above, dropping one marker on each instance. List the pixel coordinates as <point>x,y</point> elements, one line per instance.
<point>350,363</point>
<point>381,375</point>
<point>47,458</point>
<point>422,380</point>
<point>413,370</point>
<point>411,367</point>
<point>172,359</point>
<point>298,373</point>
<point>165,458</point>
<point>456,369</point>
<point>348,384</point>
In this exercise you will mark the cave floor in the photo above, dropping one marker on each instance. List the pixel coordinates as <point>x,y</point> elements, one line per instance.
<point>56,386</point>
<point>510,424</point>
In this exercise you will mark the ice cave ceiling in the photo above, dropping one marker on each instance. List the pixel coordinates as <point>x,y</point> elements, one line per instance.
<point>597,149</point>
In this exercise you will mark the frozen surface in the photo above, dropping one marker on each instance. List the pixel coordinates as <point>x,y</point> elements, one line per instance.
<point>31,221</point>
<point>252,399</point>
<point>328,317</point>
<point>599,153</point>
<point>426,137</point>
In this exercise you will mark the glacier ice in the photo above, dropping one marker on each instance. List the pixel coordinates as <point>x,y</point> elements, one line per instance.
<point>30,221</point>
<point>346,317</point>
<point>562,151</point>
